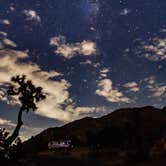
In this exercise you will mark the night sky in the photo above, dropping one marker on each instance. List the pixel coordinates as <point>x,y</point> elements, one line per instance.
<point>90,56</point>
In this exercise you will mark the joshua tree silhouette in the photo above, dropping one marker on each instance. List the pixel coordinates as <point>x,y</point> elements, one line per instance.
<point>28,96</point>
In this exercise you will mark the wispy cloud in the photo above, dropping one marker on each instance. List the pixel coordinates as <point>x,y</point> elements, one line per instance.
<point>5,22</point>
<point>4,122</point>
<point>3,33</point>
<point>26,131</point>
<point>105,89</point>
<point>104,72</point>
<point>32,16</point>
<point>132,86</point>
<point>153,49</point>
<point>85,48</point>
<point>125,12</point>
<point>8,42</point>
<point>156,89</point>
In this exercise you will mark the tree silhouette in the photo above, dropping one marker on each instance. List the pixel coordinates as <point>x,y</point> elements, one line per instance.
<point>3,136</point>
<point>28,96</point>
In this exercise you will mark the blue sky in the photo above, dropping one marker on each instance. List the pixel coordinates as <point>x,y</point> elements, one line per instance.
<point>90,57</point>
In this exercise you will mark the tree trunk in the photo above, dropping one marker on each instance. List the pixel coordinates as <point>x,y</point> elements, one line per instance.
<point>15,134</point>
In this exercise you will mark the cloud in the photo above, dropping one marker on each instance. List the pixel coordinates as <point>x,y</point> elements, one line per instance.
<point>125,12</point>
<point>58,104</point>
<point>12,8</point>
<point>4,122</point>
<point>80,112</point>
<point>5,42</point>
<point>25,132</point>
<point>3,33</point>
<point>71,112</point>
<point>32,16</point>
<point>3,95</point>
<point>104,72</point>
<point>87,62</point>
<point>5,22</point>
<point>9,42</point>
<point>153,49</point>
<point>157,89</point>
<point>161,90</point>
<point>132,86</point>
<point>105,89</point>
<point>150,80</point>
<point>85,48</point>
<point>91,63</point>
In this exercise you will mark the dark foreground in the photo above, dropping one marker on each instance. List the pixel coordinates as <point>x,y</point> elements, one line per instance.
<point>84,157</point>
<point>126,137</point>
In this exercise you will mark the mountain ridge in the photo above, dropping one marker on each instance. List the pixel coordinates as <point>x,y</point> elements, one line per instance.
<point>116,129</point>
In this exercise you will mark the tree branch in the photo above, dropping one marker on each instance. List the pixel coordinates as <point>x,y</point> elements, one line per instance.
<point>15,134</point>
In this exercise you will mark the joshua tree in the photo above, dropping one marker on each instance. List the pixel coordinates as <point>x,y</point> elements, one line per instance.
<point>28,96</point>
<point>3,135</point>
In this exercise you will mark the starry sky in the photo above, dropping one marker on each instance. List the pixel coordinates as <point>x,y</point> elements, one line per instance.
<point>90,56</point>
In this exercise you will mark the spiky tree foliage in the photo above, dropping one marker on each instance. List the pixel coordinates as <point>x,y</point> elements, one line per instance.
<point>3,136</point>
<point>28,95</point>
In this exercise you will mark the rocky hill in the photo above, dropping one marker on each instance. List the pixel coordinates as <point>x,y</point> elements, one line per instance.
<point>136,129</point>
